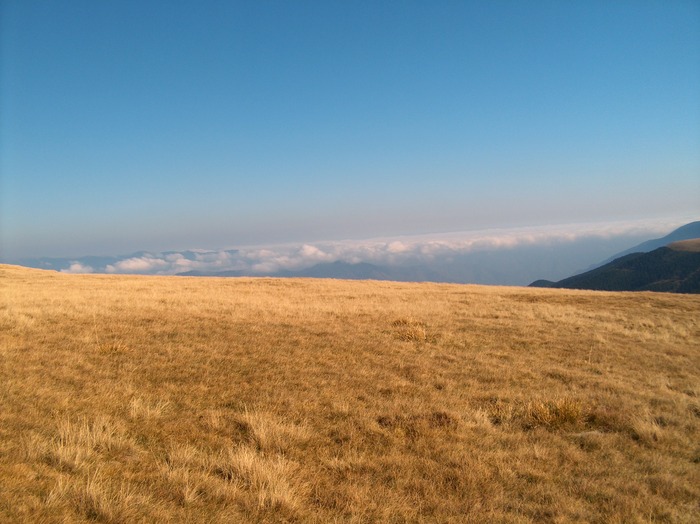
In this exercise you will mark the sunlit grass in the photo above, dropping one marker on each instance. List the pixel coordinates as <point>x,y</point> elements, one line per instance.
<point>167,399</point>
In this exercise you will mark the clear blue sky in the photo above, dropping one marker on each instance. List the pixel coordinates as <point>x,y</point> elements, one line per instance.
<point>131,125</point>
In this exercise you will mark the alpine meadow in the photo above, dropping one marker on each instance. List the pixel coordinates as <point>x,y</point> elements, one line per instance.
<point>182,399</point>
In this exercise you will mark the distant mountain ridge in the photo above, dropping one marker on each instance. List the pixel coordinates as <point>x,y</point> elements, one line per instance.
<point>516,262</point>
<point>686,232</point>
<point>673,268</point>
<point>345,271</point>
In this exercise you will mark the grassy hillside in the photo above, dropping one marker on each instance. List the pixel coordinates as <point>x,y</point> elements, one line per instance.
<point>691,246</point>
<point>168,399</point>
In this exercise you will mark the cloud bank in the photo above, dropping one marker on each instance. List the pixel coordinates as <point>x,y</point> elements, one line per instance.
<point>396,251</point>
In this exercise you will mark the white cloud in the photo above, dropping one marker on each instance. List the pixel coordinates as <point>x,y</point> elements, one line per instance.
<point>147,264</point>
<point>77,267</point>
<point>397,247</point>
<point>389,251</point>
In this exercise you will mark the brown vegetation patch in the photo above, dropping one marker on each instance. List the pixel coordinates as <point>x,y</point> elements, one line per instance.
<point>553,414</point>
<point>692,245</point>
<point>556,413</point>
<point>410,330</point>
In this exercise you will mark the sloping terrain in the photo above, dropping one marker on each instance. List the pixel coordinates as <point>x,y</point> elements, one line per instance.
<point>692,245</point>
<point>685,232</point>
<point>675,268</point>
<point>174,399</point>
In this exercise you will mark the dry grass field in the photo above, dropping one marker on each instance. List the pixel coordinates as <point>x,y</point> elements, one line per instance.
<point>167,399</point>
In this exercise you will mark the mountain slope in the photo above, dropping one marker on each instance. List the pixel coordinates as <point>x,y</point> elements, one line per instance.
<point>675,268</point>
<point>342,270</point>
<point>686,232</point>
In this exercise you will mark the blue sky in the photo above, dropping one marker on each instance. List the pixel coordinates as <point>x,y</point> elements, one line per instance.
<point>128,125</point>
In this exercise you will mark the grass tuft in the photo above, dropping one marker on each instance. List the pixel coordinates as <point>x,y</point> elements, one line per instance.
<point>409,330</point>
<point>552,414</point>
<point>268,480</point>
<point>268,433</point>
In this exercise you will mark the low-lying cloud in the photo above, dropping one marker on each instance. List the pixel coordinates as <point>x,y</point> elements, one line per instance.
<point>397,251</point>
<point>77,267</point>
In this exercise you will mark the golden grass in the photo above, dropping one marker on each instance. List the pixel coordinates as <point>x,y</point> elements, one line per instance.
<point>168,399</point>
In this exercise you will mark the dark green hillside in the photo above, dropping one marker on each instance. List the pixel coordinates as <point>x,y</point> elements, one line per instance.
<point>663,269</point>
<point>686,232</point>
